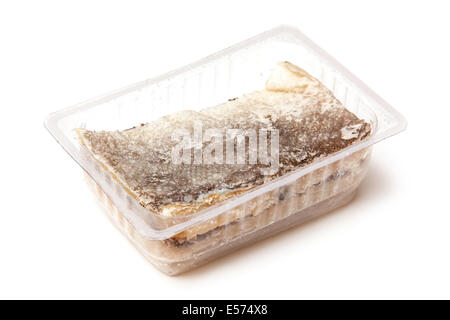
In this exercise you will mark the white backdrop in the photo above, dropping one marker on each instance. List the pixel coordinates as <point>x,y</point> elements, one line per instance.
<point>392,241</point>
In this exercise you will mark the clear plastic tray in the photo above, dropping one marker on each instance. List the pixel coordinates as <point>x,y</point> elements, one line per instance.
<point>229,73</point>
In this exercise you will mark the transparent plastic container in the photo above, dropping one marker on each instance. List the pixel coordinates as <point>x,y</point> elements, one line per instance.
<point>270,208</point>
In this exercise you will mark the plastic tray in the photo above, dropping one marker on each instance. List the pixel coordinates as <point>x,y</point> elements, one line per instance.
<point>229,73</point>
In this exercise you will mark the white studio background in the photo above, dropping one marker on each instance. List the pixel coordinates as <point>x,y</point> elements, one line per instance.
<point>392,241</point>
